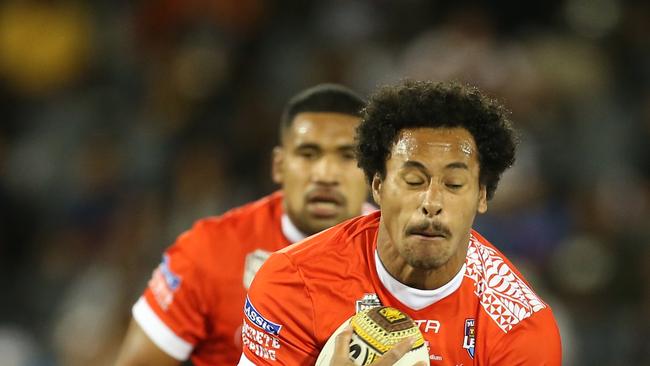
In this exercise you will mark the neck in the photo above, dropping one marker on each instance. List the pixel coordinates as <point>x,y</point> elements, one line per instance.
<point>420,278</point>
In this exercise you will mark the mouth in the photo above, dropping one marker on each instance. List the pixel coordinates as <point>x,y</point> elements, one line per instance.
<point>430,232</point>
<point>324,204</point>
<point>429,235</point>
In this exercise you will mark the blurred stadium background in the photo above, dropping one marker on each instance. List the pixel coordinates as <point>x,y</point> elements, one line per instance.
<point>122,122</point>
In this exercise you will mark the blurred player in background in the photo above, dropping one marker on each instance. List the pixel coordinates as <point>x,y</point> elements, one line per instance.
<point>192,306</point>
<point>434,154</point>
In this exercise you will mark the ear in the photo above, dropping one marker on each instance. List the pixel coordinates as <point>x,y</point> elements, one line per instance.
<point>277,165</point>
<point>482,199</point>
<point>376,188</point>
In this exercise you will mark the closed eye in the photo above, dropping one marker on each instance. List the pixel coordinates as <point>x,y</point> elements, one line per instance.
<point>413,179</point>
<point>307,152</point>
<point>414,182</point>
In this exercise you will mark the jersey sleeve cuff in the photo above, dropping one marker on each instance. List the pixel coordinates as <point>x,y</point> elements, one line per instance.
<point>159,333</point>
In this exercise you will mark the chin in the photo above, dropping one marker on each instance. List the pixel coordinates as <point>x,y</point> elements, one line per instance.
<point>318,226</point>
<point>427,260</point>
<point>426,263</point>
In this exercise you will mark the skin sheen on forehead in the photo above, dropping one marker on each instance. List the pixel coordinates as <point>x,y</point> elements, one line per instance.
<point>316,126</point>
<point>407,143</point>
<point>303,129</point>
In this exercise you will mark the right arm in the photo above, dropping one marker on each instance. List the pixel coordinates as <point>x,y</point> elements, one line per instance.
<point>169,318</point>
<point>139,350</point>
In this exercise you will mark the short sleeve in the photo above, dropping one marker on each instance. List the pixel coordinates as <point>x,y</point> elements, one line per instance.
<point>172,311</point>
<point>535,341</point>
<point>278,317</point>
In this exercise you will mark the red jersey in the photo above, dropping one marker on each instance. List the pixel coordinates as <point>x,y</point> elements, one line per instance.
<point>486,315</point>
<point>194,300</point>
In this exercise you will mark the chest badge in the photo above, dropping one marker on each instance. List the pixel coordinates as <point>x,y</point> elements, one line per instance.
<point>367,301</point>
<point>469,341</point>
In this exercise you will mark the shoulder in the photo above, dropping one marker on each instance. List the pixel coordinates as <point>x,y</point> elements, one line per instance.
<point>534,341</point>
<point>239,226</point>
<point>501,289</point>
<point>342,248</point>
<point>351,236</point>
<point>264,211</point>
<point>522,326</point>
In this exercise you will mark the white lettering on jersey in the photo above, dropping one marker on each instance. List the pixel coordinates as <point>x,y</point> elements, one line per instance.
<point>427,325</point>
<point>259,342</point>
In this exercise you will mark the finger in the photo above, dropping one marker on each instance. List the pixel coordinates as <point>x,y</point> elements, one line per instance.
<point>342,343</point>
<point>396,352</point>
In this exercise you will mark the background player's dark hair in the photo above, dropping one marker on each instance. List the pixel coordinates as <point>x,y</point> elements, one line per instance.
<point>332,98</point>
<point>414,104</point>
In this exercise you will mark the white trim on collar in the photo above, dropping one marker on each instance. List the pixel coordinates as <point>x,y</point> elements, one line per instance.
<point>290,231</point>
<point>415,298</point>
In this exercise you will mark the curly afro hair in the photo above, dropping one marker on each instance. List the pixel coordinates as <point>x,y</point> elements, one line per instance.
<point>414,104</point>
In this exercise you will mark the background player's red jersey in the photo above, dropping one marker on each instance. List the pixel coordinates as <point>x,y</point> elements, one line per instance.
<point>194,299</point>
<point>486,315</point>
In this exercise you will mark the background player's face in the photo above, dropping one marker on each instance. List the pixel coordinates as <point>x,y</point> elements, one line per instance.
<point>430,195</point>
<point>318,171</point>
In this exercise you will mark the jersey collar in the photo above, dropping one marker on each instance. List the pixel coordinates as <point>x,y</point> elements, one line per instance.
<point>290,230</point>
<point>415,298</point>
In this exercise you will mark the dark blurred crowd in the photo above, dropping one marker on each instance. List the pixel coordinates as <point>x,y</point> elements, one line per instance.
<point>124,121</point>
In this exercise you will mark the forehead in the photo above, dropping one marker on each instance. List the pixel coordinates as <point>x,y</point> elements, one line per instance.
<point>431,145</point>
<point>321,128</point>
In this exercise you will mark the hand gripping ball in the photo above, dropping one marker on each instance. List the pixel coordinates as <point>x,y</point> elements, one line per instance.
<point>375,332</point>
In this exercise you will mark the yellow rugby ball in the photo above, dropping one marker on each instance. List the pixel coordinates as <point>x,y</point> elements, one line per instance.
<point>375,332</point>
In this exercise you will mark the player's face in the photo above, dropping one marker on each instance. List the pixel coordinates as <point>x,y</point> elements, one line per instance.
<point>318,171</point>
<point>430,196</point>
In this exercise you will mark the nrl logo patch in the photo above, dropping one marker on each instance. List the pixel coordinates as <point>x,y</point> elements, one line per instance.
<point>367,301</point>
<point>469,341</point>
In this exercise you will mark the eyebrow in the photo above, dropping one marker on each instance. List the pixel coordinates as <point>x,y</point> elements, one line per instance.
<point>457,165</point>
<point>311,145</point>
<point>307,145</point>
<point>414,164</point>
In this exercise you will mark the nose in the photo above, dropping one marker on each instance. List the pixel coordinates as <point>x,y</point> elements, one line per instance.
<point>326,171</point>
<point>433,201</point>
